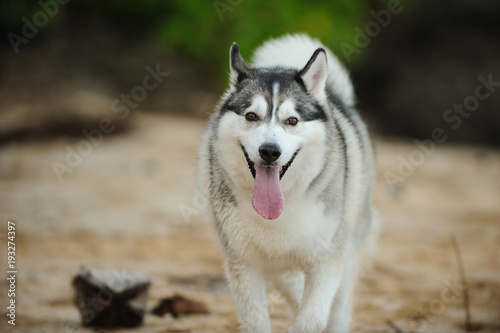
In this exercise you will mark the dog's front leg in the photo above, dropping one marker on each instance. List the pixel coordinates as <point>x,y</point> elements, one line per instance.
<point>321,283</point>
<point>249,292</point>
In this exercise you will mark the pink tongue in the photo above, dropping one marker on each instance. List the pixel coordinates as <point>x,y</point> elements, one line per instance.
<point>267,199</point>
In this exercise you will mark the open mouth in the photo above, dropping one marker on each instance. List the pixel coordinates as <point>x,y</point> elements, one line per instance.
<point>267,197</point>
<point>283,169</point>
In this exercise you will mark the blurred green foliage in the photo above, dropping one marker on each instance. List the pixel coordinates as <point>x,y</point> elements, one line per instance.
<point>204,30</point>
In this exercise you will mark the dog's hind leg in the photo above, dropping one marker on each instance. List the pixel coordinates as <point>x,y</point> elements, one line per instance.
<point>340,313</point>
<point>321,283</point>
<point>291,286</point>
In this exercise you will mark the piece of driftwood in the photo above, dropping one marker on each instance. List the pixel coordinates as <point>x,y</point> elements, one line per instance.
<point>178,306</point>
<point>108,298</point>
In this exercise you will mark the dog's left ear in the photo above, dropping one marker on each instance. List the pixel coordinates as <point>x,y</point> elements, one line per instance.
<point>239,68</point>
<point>314,74</point>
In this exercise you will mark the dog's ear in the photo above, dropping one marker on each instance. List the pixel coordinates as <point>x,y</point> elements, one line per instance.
<point>314,74</point>
<point>239,68</point>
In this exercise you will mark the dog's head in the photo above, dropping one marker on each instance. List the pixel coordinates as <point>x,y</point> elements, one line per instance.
<point>268,120</point>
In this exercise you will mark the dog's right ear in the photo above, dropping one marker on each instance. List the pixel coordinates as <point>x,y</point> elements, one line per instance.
<point>314,74</point>
<point>239,68</point>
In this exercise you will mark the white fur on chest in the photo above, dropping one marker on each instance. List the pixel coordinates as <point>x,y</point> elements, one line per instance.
<point>301,233</point>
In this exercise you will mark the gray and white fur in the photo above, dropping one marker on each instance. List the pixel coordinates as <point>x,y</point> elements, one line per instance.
<point>293,110</point>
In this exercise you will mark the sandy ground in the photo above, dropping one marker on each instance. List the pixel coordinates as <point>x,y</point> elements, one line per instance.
<point>120,208</point>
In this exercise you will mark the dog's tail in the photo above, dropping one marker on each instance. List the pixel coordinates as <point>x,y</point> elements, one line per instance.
<point>294,51</point>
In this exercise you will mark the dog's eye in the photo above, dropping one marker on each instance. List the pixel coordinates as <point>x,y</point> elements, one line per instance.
<point>292,121</point>
<point>250,116</point>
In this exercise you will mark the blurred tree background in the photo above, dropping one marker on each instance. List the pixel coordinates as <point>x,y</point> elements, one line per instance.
<point>407,73</point>
<point>204,30</point>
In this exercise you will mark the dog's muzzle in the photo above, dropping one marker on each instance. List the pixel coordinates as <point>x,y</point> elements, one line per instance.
<point>270,152</point>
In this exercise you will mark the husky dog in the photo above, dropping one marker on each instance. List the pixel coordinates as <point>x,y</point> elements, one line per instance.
<point>288,169</point>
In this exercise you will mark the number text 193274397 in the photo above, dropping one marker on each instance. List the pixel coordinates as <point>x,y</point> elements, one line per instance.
<point>11,271</point>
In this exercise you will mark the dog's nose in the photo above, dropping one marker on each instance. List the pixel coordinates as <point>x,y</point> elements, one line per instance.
<point>269,152</point>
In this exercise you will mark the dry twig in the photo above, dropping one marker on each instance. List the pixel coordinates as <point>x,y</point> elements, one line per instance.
<point>394,327</point>
<point>461,271</point>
